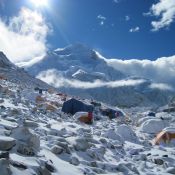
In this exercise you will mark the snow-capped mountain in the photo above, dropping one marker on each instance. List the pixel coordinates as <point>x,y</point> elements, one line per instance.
<point>81,71</point>
<point>75,60</point>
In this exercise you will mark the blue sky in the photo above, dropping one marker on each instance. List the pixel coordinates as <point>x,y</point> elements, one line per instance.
<point>118,29</point>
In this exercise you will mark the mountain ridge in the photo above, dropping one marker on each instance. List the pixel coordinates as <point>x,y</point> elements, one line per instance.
<point>80,70</point>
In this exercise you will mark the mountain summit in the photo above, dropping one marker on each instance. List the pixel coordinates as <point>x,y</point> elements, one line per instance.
<point>81,71</point>
<point>76,59</point>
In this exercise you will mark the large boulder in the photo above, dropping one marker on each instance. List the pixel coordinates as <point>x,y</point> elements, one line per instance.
<point>80,143</point>
<point>28,142</point>
<point>6,143</point>
<point>113,135</point>
<point>127,133</point>
<point>153,126</point>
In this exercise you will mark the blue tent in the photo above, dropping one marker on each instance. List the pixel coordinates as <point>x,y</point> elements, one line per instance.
<point>111,113</point>
<point>151,114</point>
<point>72,106</point>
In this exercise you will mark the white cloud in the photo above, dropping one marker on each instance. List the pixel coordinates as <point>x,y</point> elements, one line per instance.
<point>24,36</point>
<point>127,18</point>
<point>161,70</point>
<point>165,11</point>
<point>102,19</point>
<point>102,23</point>
<point>161,86</point>
<point>51,77</point>
<point>136,29</point>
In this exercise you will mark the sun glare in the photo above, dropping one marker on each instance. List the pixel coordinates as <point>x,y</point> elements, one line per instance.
<point>39,2</point>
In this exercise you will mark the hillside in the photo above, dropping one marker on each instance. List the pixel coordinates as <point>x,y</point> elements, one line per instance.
<point>36,137</point>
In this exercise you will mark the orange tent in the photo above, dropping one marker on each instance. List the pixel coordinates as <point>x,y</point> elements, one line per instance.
<point>165,136</point>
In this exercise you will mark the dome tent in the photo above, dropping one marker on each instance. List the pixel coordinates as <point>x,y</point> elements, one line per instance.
<point>166,136</point>
<point>72,106</point>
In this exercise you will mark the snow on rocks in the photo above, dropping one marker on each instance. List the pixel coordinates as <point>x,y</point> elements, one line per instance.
<point>170,170</point>
<point>28,123</point>
<point>113,135</point>
<point>74,161</point>
<point>96,153</point>
<point>5,167</point>
<point>49,142</point>
<point>127,133</point>
<point>28,142</point>
<point>7,143</point>
<point>153,126</point>
<point>80,143</point>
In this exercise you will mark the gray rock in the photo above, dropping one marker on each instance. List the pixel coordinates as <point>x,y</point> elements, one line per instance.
<point>49,166</point>
<point>32,124</point>
<point>28,142</point>
<point>98,170</point>
<point>6,143</point>
<point>96,153</point>
<point>74,161</point>
<point>103,140</point>
<point>18,165</point>
<point>94,164</point>
<point>57,149</point>
<point>170,170</point>
<point>158,161</point>
<point>4,167</point>
<point>4,155</point>
<point>44,171</point>
<point>81,144</point>
<point>25,149</point>
<point>65,146</point>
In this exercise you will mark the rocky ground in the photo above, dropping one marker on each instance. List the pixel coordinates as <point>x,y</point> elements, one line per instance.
<point>36,138</point>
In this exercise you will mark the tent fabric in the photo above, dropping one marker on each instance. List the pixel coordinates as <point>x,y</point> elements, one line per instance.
<point>84,117</point>
<point>111,113</point>
<point>152,114</point>
<point>72,106</point>
<point>164,136</point>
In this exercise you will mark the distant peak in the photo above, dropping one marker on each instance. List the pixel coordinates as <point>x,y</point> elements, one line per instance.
<point>77,48</point>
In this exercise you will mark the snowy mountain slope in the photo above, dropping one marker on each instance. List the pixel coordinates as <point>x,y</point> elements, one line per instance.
<point>18,75</point>
<point>72,58</point>
<point>35,139</point>
<point>81,71</point>
<point>4,62</point>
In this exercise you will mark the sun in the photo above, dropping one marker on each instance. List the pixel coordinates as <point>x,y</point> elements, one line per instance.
<point>38,3</point>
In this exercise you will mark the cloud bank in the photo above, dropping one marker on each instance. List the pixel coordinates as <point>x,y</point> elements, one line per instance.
<point>51,77</point>
<point>165,11</point>
<point>161,70</point>
<point>23,37</point>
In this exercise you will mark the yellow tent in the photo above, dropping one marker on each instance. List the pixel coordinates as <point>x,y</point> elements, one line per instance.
<point>165,136</point>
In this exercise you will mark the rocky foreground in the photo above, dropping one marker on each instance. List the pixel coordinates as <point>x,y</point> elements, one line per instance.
<point>36,138</point>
